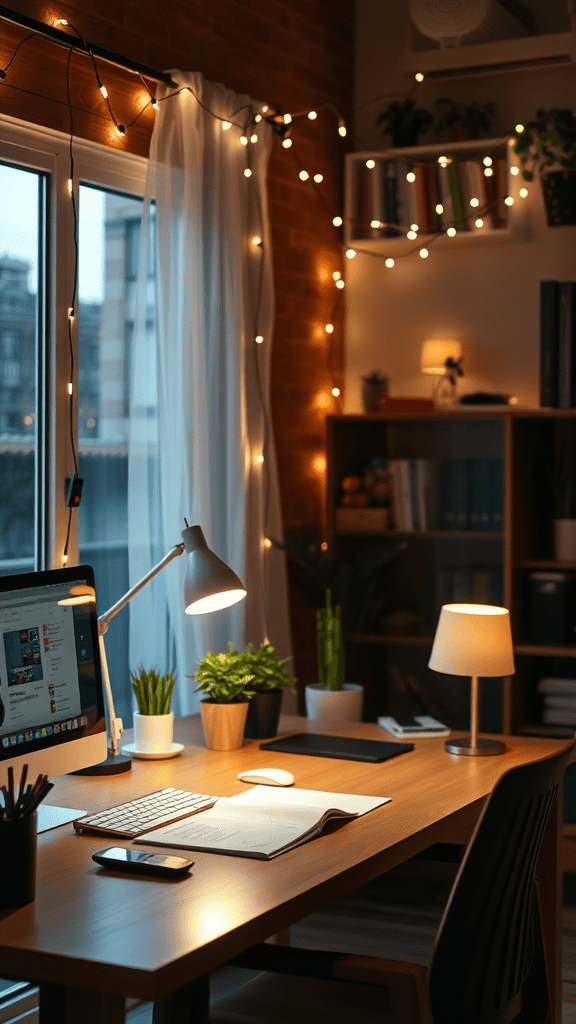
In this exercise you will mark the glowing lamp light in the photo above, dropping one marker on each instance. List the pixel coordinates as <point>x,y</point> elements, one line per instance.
<point>342,130</point>
<point>435,353</point>
<point>319,464</point>
<point>519,128</point>
<point>267,542</point>
<point>256,240</point>
<point>323,400</point>
<point>479,222</point>
<point>259,459</point>
<point>444,161</point>
<point>389,262</point>
<point>265,109</point>
<point>61,21</point>
<point>337,222</point>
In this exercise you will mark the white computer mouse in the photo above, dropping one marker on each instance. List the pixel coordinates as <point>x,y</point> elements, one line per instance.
<point>267,777</point>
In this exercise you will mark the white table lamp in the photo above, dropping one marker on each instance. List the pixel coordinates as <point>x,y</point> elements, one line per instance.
<point>209,585</point>
<point>473,640</point>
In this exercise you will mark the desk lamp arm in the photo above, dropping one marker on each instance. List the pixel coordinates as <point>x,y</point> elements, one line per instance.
<point>115,724</point>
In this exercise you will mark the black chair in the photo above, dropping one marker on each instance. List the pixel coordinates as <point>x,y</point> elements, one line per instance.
<point>487,965</point>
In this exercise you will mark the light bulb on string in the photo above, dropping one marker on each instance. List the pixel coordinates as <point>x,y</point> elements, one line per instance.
<point>340,284</point>
<point>312,115</point>
<point>523,193</point>
<point>154,104</point>
<point>247,173</point>
<point>389,262</point>
<point>287,118</point>
<point>243,140</point>
<point>318,178</point>
<point>514,170</point>
<point>419,76</point>
<point>423,253</point>
<point>259,339</point>
<point>342,129</point>
<point>226,125</point>
<point>370,164</point>
<point>487,161</point>
<point>254,138</point>
<point>410,176</point>
<point>337,222</point>
<point>287,143</point>
<point>258,118</point>
<point>374,223</point>
<point>350,253</point>
<point>479,222</point>
<point>336,392</point>
<point>304,175</point>
<point>411,235</point>
<point>267,542</point>
<point>336,275</point>
<point>488,172</point>
<point>256,240</point>
<point>451,232</point>
<point>519,128</point>
<point>121,130</point>
<point>509,201</point>
<point>329,328</point>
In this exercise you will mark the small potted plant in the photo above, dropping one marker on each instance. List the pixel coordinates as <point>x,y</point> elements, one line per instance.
<point>331,701</point>
<point>227,684</point>
<point>464,120</point>
<point>269,677</point>
<point>548,144</point>
<point>374,387</point>
<point>154,721</point>
<point>404,122</point>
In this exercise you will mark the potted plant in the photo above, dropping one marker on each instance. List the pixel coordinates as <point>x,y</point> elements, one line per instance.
<point>227,685</point>
<point>548,144</point>
<point>404,122</point>
<point>374,387</point>
<point>154,722</point>
<point>464,120</point>
<point>269,677</point>
<point>331,701</point>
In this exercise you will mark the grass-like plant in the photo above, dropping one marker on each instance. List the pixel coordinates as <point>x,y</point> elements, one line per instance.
<point>330,645</point>
<point>153,692</point>
<point>224,677</point>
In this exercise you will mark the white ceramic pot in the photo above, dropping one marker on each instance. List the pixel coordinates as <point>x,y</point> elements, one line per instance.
<point>334,707</point>
<point>565,540</point>
<point>153,734</point>
<point>223,724</point>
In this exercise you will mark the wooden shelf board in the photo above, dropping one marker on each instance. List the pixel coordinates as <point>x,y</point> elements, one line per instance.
<point>544,48</point>
<point>458,534</point>
<point>546,650</point>
<point>388,639</point>
<point>547,563</point>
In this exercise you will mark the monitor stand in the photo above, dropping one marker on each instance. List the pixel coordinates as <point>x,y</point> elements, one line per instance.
<point>52,817</point>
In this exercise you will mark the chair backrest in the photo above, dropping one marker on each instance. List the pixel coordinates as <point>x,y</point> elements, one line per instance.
<point>485,944</point>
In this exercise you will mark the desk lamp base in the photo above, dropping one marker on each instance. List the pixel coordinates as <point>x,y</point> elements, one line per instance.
<point>481,748</point>
<point>114,764</point>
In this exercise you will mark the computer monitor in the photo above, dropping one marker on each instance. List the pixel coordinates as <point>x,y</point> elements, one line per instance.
<point>51,695</point>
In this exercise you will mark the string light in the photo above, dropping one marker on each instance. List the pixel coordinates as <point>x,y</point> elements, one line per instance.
<point>258,118</point>
<point>104,91</point>
<point>514,170</point>
<point>69,387</point>
<point>121,130</point>
<point>243,140</point>
<point>329,328</point>
<point>287,143</point>
<point>336,392</point>
<point>337,222</point>
<point>154,104</point>
<point>256,240</point>
<point>226,125</point>
<point>413,227</point>
<point>411,234</point>
<point>312,115</point>
<point>287,118</point>
<point>479,222</point>
<point>259,339</point>
<point>336,275</point>
<point>70,186</point>
<point>389,262</point>
<point>247,173</point>
<point>423,253</point>
<point>319,463</point>
<point>374,223</point>
<point>340,284</point>
<point>519,128</point>
<point>342,129</point>
<point>259,460</point>
<point>450,232</point>
<point>439,208</point>
<point>488,172</point>
<point>487,161</point>
<point>523,192</point>
<point>509,201</point>
<point>370,164</point>
<point>304,175</point>
<point>350,253</point>
<point>267,542</point>
<point>253,138</point>
<point>318,178</point>
<point>410,176</point>
<point>419,76</point>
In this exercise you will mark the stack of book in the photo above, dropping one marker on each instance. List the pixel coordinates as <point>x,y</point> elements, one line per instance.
<point>472,494</point>
<point>558,344</point>
<point>559,701</point>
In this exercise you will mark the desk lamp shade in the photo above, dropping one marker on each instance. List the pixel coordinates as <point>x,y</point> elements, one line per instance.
<point>435,353</point>
<point>473,640</point>
<point>209,584</point>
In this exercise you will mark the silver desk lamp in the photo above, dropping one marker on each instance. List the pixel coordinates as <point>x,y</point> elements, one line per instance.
<point>209,585</point>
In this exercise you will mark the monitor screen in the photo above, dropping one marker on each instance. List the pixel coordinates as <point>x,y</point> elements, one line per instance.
<point>51,698</point>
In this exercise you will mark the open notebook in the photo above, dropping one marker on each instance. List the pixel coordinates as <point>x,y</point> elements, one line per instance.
<point>261,822</point>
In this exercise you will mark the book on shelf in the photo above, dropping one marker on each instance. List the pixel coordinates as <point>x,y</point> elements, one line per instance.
<point>567,344</point>
<point>260,823</point>
<point>413,494</point>
<point>425,726</point>
<point>391,204</point>
<point>559,716</point>
<point>548,343</point>
<point>445,196</point>
<point>474,193</point>
<point>553,685</point>
<point>561,702</point>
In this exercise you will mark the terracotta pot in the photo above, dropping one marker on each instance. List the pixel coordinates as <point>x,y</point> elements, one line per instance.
<point>223,724</point>
<point>333,707</point>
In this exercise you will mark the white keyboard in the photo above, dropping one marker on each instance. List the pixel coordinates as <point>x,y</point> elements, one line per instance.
<point>145,813</point>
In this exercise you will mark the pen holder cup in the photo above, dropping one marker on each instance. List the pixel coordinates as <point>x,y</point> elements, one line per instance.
<point>18,845</point>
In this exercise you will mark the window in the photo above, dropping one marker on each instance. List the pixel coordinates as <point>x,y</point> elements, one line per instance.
<point>36,277</point>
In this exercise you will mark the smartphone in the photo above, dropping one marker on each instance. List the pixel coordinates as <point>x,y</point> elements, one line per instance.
<point>120,859</point>
<point>407,722</point>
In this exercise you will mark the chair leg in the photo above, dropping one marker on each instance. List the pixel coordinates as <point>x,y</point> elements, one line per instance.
<point>187,1005</point>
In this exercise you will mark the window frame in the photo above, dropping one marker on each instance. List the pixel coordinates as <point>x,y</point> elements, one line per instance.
<point>47,151</point>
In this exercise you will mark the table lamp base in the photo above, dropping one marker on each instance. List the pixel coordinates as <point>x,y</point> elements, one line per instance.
<point>482,748</point>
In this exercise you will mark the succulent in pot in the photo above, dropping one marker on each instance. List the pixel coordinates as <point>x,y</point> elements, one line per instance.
<point>154,721</point>
<point>331,700</point>
<point>226,682</point>
<point>269,678</point>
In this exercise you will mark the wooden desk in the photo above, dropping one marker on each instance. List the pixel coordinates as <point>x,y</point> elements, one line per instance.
<point>93,937</point>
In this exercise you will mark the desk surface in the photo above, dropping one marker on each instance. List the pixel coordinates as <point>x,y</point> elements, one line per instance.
<point>145,937</point>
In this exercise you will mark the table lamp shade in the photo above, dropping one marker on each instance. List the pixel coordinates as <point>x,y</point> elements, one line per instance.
<point>473,640</point>
<point>435,353</point>
<point>209,584</point>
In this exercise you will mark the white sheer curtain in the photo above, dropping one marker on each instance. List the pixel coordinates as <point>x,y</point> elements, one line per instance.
<point>200,416</point>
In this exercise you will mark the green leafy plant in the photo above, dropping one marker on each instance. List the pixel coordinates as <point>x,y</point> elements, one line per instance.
<point>404,121</point>
<point>549,141</point>
<point>153,692</point>
<point>330,645</point>
<point>268,671</point>
<point>464,120</point>
<point>224,678</point>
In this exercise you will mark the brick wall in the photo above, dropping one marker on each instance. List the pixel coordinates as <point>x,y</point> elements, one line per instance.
<point>296,55</point>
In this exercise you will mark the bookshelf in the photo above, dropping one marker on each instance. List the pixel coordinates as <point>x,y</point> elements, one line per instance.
<point>381,205</point>
<point>394,581</point>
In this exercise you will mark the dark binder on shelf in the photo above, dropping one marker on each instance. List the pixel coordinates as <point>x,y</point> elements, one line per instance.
<point>345,748</point>
<point>566,344</point>
<point>549,343</point>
